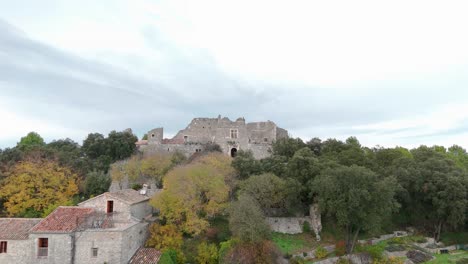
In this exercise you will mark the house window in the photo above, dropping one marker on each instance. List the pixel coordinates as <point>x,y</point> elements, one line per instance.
<point>185,138</point>
<point>43,249</point>
<point>94,252</point>
<point>3,247</point>
<point>233,133</point>
<point>110,206</point>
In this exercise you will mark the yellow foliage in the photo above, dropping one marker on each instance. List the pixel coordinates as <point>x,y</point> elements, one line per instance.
<point>165,237</point>
<point>193,193</point>
<point>37,185</point>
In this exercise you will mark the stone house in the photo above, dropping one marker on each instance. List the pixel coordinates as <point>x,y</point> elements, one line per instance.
<point>231,136</point>
<point>14,239</point>
<point>108,228</point>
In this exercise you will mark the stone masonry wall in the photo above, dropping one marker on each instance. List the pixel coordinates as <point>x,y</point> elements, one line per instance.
<point>59,250</point>
<point>18,251</point>
<point>105,241</point>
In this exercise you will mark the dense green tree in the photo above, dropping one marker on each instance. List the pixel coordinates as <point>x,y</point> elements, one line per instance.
<point>303,166</point>
<point>246,220</point>
<point>120,145</point>
<point>275,164</point>
<point>245,164</point>
<point>287,146</point>
<point>96,183</point>
<point>357,198</point>
<point>270,192</point>
<point>30,141</point>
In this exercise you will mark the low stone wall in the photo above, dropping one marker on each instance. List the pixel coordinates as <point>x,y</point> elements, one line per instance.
<point>374,241</point>
<point>287,225</point>
<point>354,258</point>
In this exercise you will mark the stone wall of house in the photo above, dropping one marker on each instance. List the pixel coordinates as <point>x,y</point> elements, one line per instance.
<point>121,212</point>
<point>18,251</point>
<point>141,210</point>
<point>106,241</point>
<point>59,250</point>
<point>132,239</point>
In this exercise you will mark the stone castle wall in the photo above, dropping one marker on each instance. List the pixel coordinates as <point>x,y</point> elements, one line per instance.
<point>231,136</point>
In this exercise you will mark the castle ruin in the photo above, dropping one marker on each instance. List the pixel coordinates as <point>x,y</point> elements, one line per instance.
<point>231,136</point>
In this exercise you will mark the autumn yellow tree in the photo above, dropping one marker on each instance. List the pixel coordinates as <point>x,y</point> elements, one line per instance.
<point>33,187</point>
<point>193,194</point>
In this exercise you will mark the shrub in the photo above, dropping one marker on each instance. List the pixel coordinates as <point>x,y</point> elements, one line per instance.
<point>462,261</point>
<point>306,227</point>
<point>320,252</point>
<point>420,240</point>
<point>297,260</point>
<point>391,260</point>
<point>394,248</point>
<point>343,261</point>
<point>340,248</point>
<point>304,254</point>
<point>207,253</point>
<point>137,186</point>
<point>375,252</point>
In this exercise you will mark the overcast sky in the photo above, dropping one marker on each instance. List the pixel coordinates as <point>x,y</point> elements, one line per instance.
<point>389,72</point>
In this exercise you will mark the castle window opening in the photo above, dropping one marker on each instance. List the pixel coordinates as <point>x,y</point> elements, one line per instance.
<point>234,133</point>
<point>185,138</point>
<point>265,139</point>
<point>152,135</point>
<point>94,252</point>
<point>233,152</point>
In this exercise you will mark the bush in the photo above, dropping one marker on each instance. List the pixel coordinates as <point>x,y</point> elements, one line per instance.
<point>375,252</point>
<point>420,240</point>
<point>297,260</point>
<point>207,253</point>
<point>306,227</point>
<point>166,259</point>
<point>137,186</point>
<point>391,260</point>
<point>395,248</point>
<point>320,252</point>
<point>462,261</point>
<point>343,261</point>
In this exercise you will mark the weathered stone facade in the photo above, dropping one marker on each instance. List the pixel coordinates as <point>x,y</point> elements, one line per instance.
<point>108,228</point>
<point>231,136</point>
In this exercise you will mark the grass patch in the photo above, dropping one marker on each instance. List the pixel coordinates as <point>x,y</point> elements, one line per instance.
<point>449,258</point>
<point>291,244</point>
<point>376,251</point>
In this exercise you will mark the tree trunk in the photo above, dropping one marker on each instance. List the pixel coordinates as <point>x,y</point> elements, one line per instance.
<point>351,238</point>
<point>437,231</point>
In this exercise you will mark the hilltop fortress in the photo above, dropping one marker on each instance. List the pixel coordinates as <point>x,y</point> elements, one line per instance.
<point>231,136</point>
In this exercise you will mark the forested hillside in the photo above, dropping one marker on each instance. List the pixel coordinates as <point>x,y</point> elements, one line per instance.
<point>212,208</point>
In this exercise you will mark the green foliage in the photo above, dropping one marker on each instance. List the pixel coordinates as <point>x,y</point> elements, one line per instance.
<point>245,164</point>
<point>376,251</point>
<point>306,227</point>
<point>225,247</point>
<point>287,146</point>
<point>207,253</point>
<point>289,243</point>
<point>320,252</point>
<point>356,197</point>
<point>246,220</point>
<point>96,183</point>
<point>30,141</point>
<point>452,238</point>
<point>166,259</point>
<point>297,260</point>
<point>268,190</point>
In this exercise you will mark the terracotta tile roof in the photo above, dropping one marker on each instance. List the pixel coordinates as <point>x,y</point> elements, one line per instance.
<point>16,228</point>
<point>63,220</point>
<point>129,196</point>
<point>146,256</point>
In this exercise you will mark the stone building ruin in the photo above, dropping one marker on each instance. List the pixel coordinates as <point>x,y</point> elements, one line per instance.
<point>231,136</point>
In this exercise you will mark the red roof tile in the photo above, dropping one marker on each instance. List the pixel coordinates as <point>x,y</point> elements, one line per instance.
<point>16,228</point>
<point>63,220</point>
<point>146,256</point>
